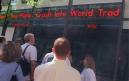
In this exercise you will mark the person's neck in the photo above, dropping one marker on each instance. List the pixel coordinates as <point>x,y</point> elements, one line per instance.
<point>29,43</point>
<point>60,58</point>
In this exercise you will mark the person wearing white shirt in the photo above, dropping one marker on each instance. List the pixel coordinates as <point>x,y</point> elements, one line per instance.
<point>58,69</point>
<point>51,56</point>
<point>30,54</point>
<point>8,65</point>
<point>88,72</point>
<point>48,58</point>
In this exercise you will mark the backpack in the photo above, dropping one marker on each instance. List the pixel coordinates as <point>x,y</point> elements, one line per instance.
<point>25,65</point>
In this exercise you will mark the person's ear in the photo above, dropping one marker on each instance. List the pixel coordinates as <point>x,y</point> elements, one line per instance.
<point>53,50</point>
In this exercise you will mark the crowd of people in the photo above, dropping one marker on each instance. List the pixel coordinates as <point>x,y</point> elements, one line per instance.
<point>19,62</point>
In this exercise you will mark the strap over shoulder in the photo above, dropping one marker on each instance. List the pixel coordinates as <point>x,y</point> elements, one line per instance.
<point>23,53</point>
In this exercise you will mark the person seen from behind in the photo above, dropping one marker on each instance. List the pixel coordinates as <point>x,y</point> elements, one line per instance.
<point>8,65</point>
<point>51,56</point>
<point>48,57</point>
<point>58,69</point>
<point>88,73</point>
<point>30,54</point>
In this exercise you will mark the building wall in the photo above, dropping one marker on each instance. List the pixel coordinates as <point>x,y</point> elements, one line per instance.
<point>50,3</point>
<point>75,2</point>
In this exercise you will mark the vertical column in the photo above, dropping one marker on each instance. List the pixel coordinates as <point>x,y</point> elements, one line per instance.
<point>6,19</point>
<point>67,17</point>
<point>115,76</point>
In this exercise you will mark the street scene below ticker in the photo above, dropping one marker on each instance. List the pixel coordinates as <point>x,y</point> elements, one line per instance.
<point>64,40</point>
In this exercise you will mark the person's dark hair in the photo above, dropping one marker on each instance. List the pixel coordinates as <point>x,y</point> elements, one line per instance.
<point>2,39</point>
<point>9,52</point>
<point>62,46</point>
<point>18,50</point>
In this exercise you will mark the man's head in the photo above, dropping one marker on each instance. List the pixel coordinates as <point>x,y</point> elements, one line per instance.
<point>29,38</point>
<point>61,48</point>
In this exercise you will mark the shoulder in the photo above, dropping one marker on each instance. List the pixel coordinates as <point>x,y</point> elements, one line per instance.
<point>44,66</point>
<point>24,45</point>
<point>14,63</point>
<point>87,71</point>
<point>32,48</point>
<point>11,64</point>
<point>49,54</point>
<point>75,72</point>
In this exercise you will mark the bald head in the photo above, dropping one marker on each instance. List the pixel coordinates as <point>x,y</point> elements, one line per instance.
<point>62,47</point>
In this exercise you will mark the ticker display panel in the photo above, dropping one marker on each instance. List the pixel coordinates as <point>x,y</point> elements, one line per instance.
<point>77,15</point>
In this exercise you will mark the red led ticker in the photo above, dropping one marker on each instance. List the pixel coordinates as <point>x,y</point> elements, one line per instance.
<point>101,13</point>
<point>20,25</point>
<point>91,26</point>
<point>73,13</point>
